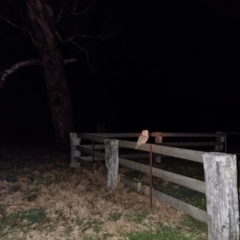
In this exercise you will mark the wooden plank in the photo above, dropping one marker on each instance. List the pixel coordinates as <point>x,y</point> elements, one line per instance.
<point>222,196</point>
<point>164,134</point>
<point>168,176</point>
<point>189,209</point>
<point>131,145</point>
<point>83,162</point>
<point>88,164</point>
<point>134,155</point>
<point>191,155</point>
<point>113,135</point>
<point>187,154</point>
<point>90,137</point>
<point>171,201</point>
<point>89,151</point>
<point>155,134</point>
<point>184,144</point>
<point>90,158</point>
<point>96,146</point>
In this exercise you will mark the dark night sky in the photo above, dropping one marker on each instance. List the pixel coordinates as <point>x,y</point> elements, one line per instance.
<point>168,66</point>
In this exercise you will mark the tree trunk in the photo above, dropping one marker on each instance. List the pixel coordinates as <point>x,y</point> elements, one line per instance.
<point>46,41</point>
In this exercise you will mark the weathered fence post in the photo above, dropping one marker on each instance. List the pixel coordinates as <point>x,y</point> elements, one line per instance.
<point>74,141</point>
<point>220,139</point>
<point>158,158</point>
<point>222,196</point>
<point>112,162</point>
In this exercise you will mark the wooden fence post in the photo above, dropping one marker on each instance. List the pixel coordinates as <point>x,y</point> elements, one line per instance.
<point>158,158</point>
<point>112,162</point>
<point>222,196</point>
<point>221,139</point>
<point>74,141</point>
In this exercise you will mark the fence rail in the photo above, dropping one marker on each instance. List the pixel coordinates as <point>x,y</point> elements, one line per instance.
<point>156,134</point>
<point>229,203</point>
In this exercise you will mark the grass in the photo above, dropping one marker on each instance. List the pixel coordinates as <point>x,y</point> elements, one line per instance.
<point>136,217</point>
<point>68,231</point>
<point>190,196</point>
<point>33,215</point>
<point>10,176</point>
<point>165,233</point>
<point>43,199</point>
<point>195,226</point>
<point>79,221</point>
<point>115,216</point>
<point>32,194</point>
<point>188,229</point>
<point>23,220</point>
<point>97,226</point>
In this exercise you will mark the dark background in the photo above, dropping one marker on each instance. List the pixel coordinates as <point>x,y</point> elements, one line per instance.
<point>164,66</point>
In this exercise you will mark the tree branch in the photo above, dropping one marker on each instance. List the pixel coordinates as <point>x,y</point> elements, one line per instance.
<point>84,11</point>
<point>70,60</point>
<point>17,26</point>
<point>59,16</point>
<point>70,40</point>
<point>74,11</point>
<point>84,50</point>
<point>18,65</point>
<point>101,36</point>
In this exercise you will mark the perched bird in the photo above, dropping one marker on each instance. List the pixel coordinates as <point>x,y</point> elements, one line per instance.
<point>142,138</point>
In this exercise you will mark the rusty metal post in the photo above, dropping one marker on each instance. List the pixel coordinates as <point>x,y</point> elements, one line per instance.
<point>93,154</point>
<point>150,176</point>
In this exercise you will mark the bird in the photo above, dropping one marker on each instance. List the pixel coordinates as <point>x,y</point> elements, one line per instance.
<point>142,138</point>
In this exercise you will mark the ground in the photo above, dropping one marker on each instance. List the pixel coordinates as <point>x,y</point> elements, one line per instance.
<point>42,198</point>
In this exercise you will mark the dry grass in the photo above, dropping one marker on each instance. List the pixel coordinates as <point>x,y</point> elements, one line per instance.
<point>42,198</point>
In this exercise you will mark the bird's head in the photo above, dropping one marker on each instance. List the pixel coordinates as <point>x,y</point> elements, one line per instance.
<point>145,132</point>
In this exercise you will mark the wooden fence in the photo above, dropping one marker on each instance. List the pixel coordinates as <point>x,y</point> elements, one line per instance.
<point>220,170</point>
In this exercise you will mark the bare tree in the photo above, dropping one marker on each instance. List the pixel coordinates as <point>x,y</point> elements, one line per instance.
<point>46,38</point>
